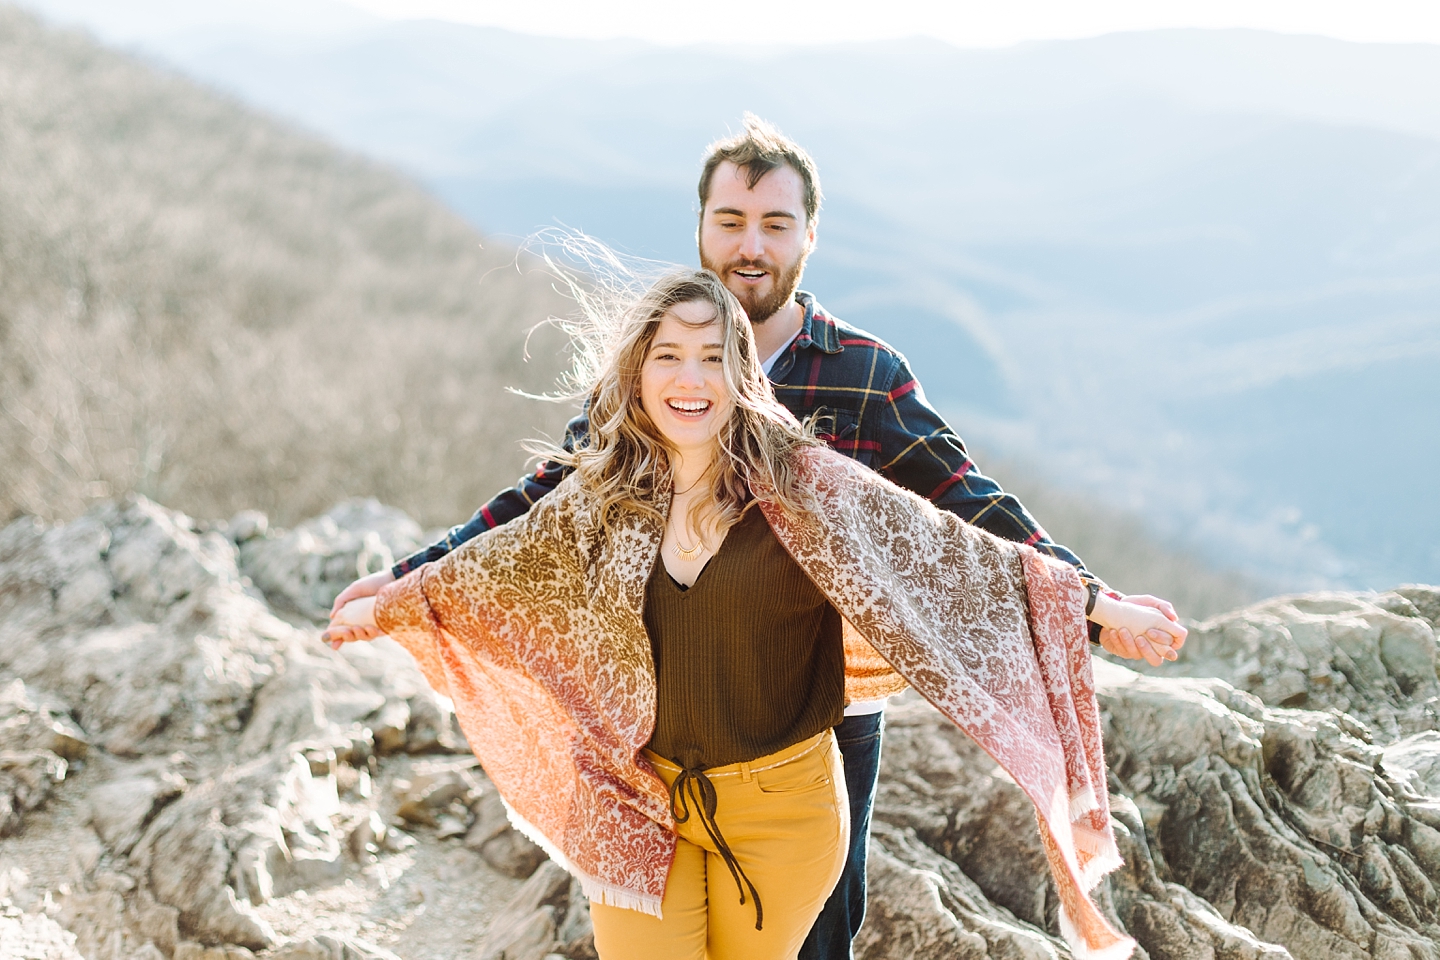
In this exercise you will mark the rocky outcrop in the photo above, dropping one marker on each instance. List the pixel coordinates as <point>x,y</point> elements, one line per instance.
<point>185,772</point>
<point>236,755</point>
<point>301,570</point>
<point>1370,655</point>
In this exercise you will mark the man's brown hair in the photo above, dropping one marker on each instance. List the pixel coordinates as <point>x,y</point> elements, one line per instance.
<point>757,151</point>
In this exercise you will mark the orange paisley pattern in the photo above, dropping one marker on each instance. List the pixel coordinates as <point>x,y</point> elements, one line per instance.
<point>535,630</point>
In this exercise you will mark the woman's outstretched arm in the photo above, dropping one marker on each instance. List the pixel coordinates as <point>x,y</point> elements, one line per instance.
<point>353,621</point>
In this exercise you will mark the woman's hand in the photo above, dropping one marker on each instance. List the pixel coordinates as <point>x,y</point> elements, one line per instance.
<point>353,621</point>
<point>364,587</point>
<point>1137,631</point>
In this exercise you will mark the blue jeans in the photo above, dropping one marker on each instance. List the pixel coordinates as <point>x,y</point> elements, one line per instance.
<point>839,921</point>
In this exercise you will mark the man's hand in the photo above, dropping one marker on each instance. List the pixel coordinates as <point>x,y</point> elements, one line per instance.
<point>1139,627</point>
<point>354,621</point>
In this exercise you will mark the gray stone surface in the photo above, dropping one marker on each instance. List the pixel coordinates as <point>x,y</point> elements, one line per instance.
<point>1276,793</point>
<point>303,569</point>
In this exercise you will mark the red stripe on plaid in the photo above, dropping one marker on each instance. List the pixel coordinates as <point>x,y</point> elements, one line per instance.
<point>951,480</point>
<point>903,389</point>
<point>1035,538</point>
<point>814,379</point>
<point>857,343</point>
<point>489,517</point>
<point>838,444</point>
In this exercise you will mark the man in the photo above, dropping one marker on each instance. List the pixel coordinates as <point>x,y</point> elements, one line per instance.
<point>759,206</point>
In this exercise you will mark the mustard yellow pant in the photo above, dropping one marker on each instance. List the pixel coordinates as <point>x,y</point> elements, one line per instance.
<point>786,819</point>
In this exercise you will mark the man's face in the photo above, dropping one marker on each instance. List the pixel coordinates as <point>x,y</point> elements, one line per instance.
<point>756,240</point>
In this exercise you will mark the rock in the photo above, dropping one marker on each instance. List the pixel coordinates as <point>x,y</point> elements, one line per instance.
<point>257,830</point>
<point>190,950</point>
<point>1278,819</point>
<point>149,952</point>
<point>35,937</point>
<point>1290,808</point>
<point>433,789</point>
<point>502,846</point>
<point>97,917</point>
<point>119,810</point>
<point>1425,600</point>
<point>157,922</point>
<point>575,932</point>
<point>325,947</point>
<point>179,644</point>
<point>1373,655</point>
<point>247,525</point>
<point>526,928</point>
<point>303,570</point>
<point>1171,922</point>
<point>366,837</point>
<point>26,780</point>
<point>1414,762</point>
<point>923,905</point>
<point>432,727</point>
<point>31,721</point>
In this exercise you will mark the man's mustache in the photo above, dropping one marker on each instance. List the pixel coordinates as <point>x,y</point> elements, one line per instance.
<point>743,264</point>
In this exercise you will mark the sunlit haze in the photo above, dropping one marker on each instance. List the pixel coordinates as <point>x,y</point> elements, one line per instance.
<point>965,22</point>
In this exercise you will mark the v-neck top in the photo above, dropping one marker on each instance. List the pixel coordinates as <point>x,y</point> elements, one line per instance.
<point>749,660</point>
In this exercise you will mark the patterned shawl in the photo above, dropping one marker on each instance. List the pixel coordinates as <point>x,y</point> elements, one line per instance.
<point>535,630</point>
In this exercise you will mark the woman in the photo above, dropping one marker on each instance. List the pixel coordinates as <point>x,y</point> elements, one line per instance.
<point>648,664</point>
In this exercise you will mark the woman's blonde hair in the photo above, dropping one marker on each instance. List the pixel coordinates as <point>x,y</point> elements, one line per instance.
<point>625,461</point>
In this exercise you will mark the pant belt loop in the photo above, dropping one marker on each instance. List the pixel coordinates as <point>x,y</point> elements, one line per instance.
<point>745,774</point>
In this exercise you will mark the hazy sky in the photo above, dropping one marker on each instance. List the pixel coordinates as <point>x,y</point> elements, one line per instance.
<point>963,22</point>
<point>967,23</point>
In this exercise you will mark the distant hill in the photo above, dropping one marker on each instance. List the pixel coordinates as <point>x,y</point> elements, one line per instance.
<point>206,306</point>
<point>202,305</point>
<point>1195,275</point>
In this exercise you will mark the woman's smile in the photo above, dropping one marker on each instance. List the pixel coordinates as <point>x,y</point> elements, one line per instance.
<point>682,379</point>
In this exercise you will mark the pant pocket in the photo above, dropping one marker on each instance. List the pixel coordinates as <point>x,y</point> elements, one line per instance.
<point>809,772</point>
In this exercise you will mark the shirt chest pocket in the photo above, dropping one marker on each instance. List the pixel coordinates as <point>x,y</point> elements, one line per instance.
<point>841,429</point>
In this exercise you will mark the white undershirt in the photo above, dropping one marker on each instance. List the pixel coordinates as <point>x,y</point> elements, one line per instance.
<point>768,365</point>
<point>859,708</point>
<point>862,708</point>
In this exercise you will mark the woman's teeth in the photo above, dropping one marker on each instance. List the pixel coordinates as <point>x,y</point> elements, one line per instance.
<point>689,406</point>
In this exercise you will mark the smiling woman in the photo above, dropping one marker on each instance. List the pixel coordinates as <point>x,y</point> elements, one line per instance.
<point>650,662</point>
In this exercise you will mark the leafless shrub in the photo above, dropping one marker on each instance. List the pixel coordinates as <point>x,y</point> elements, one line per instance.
<point>201,305</point>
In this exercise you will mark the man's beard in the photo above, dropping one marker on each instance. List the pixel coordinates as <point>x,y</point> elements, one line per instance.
<point>784,284</point>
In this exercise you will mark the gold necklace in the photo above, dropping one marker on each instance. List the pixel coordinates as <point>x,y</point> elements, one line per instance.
<point>689,554</point>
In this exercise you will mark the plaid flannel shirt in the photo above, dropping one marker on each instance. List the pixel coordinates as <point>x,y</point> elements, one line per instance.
<point>875,412</point>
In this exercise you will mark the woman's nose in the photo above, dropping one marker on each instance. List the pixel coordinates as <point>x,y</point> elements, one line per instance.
<point>690,375</point>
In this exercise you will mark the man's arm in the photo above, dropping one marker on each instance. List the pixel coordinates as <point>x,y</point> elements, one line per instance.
<point>504,506</point>
<point>920,452</point>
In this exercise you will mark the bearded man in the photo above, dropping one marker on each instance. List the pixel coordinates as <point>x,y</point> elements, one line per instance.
<point>759,209</point>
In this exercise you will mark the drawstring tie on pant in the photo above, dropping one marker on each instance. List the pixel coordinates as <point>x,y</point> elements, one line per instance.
<point>692,784</point>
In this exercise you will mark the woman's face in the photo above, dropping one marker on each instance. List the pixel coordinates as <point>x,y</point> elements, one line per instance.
<point>682,379</point>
